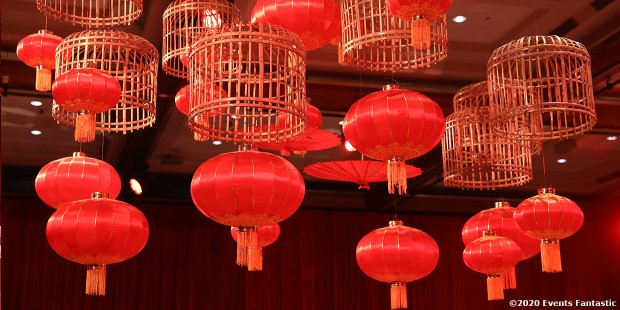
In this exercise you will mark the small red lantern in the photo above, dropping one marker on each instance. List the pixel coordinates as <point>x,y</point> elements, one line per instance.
<point>86,91</point>
<point>39,51</point>
<point>181,99</point>
<point>247,189</point>
<point>394,125</point>
<point>75,178</point>
<point>316,22</point>
<point>492,255</point>
<point>549,217</point>
<point>419,12</point>
<point>96,232</point>
<point>500,220</point>
<point>397,254</point>
<point>253,258</point>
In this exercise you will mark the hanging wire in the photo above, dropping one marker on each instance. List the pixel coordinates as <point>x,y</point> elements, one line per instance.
<point>544,164</point>
<point>102,143</point>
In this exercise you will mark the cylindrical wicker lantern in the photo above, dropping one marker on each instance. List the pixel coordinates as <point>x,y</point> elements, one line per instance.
<point>184,22</point>
<point>473,156</point>
<point>542,89</point>
<point>262,68</point>
<point>130,59</point>
<point>92,13</point>
<point>374,39</point>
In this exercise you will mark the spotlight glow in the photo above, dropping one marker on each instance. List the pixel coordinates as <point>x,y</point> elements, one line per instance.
<point>217,142</point>
<point>135,186</point>
<point>612,138</point>
<point>562,161</point>
<point>341,123</point>
<point>349,147</point>
<point>36,132</point>
<point>36,103</point>
<point>459,19</point>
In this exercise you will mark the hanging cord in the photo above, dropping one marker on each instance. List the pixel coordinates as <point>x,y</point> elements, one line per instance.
<point>544,164</point>
<point>45,22</point>
<point>395,203</point>
<point>102,142</point>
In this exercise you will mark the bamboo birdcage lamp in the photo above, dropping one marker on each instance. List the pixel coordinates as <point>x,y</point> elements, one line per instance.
<point>374,39</point>
<point>473,156</point>
<point>542,89</point>
<point>92,13</point>
<point>132,60</point>
<point>184,21</point>
<point>261,67</point>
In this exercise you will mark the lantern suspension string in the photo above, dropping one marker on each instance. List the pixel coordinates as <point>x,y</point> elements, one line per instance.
<point>102,143</point>
<point>45,22</point>
<point>395,213</point>
<point>544,164</point>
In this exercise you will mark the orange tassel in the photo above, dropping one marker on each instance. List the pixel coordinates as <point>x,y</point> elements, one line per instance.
<point>495,287</point>
<point>340,54</point>
<point>397,176</point>
<point>85,127</point>
<point>95,280</point>
<point>247,238</point>
<point>510,279</point>
<point>421,34</point>
<point>43,80</point>
<point>255,257</point>
<point>398,294</point>
<point>550,255</point>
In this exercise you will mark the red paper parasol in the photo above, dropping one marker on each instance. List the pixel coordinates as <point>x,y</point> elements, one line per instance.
<point>361,172</point>
<point>313,139</point>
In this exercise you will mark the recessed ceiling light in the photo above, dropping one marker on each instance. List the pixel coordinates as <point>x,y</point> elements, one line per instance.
<point>36,132</point>
<point>341,123</point>
<point>216,142</point>
<point>459,19</point>
<point>135,186</point>
<point>562,161</point>
<point>612,138</point>
<point>36,103</point>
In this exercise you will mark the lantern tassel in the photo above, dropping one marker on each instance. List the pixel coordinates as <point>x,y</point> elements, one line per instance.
<point>495,287</point>
<point>43,79</point>
<point>397,176</point>
<point>95,280</point>
<point>510,279</point>
<point>398,294</point>
<point>420,34</point>
<point>550,255</point>
<point>255,257</point>
<point>300,153</point>
<point>340,54</point>
<point>85,128</point>
<point>247,239</point>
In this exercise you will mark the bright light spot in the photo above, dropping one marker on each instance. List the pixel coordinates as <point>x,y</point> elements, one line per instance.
<point>459,19</point>
<point>341,123</point>
<point>211,19</point>
<point>612,138</point>
<point>36,132</point>
<point>216,142</point>
<point>233,116</point>
<point>349,147</point>
<point>135,186</point>
<point>562,161</point>
<point>36,103</point>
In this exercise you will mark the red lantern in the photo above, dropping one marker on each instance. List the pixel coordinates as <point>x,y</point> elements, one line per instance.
<point>492,255</point>
<point>500,220</point>
<point>181,99</point>
<point>361,172</point>
<point>397,254</point>
<point>86,91</point>
<point>96,232</point>
<point>549,217</point>
<point>247,189</point>
<point>315,21</point>
<point>39,51</point>
<point>75,178</point>
<point>419,12</point>
<point>394,125</point>
<point>265,235</point>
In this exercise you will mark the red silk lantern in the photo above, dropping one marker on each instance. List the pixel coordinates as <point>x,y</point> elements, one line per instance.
<point>39,51</point>
<point>419,12</point>
<point>75,178</point>
<point>361,172</point>
<point>397,254</point>
<point>500,220</point>
<point>86,91</point>
<point>394,125</point>
<point>96,232</point>
<point>253,258</point>
<point>549,217</point>
<point>492,255</point>
<point>316,22</point>
<point>181,100</point>
<point>247,189</point>
<point>315,118</point>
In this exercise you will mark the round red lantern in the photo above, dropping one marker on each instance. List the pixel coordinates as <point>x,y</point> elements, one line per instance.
<point>397,254</point>
<point>39,51</point>
<point>316,22</point>
<point>253,257</point>
<point>86,91</point>
<point>549,217</point>
<point>394,125</point>
<point>96,232</point>
<point>181,99</point>
<point>419,12</point>
<point>492,255</point>
<point>75,178</point>
<point>500,220</point>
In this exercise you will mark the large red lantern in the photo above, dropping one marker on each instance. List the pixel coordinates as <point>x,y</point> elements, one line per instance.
<point>39,51</point>
<point>397,254</point>
<point>549,217</point>
<point>86,91</point>
<point>247,189</point>
<point>419,12</point>
<point>394,125</point>
<point>500,220</point>
<point>492,255</point>
<point>75,178</point>
<point>265,235</point>
<point>96,232</point>
<point>316,22</point>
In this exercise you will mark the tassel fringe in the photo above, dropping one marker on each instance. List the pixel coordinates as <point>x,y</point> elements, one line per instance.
<point>550,256</point>
<point>255,257</point>
<point>85,128</point>
<point>495,287</point>
<point>95,280</point>
<point>43,80</point>
<point>397,176</point>
<point>510,279</point>
<point>421,34</point>
<point>398,294</point>
<point>247,239</point>
<point>340,54</point>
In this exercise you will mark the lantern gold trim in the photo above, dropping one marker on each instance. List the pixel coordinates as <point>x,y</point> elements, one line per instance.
<point>92,13</point>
